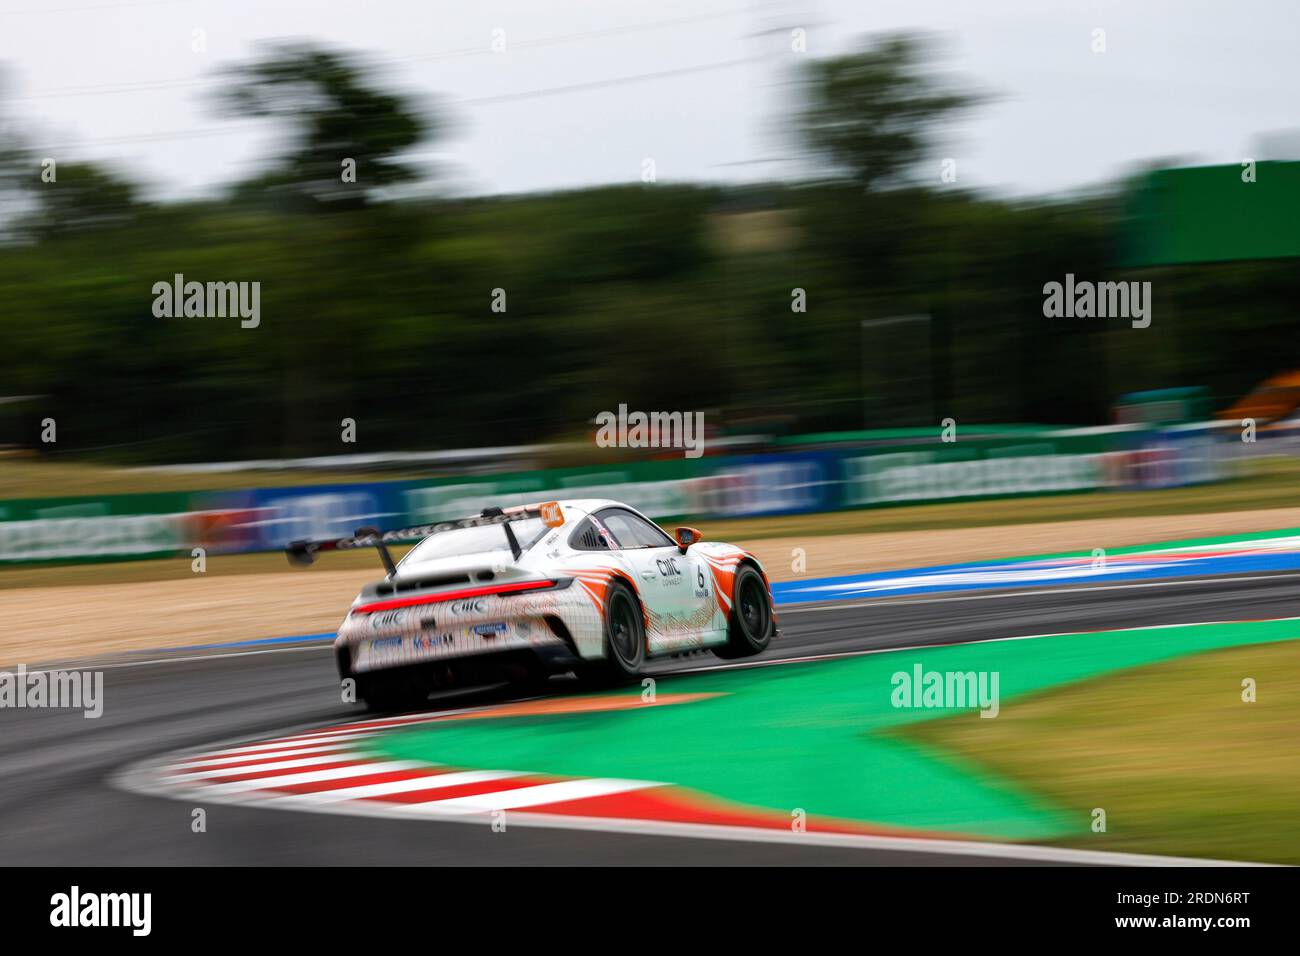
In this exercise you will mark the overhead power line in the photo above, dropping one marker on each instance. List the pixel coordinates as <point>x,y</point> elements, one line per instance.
<point>142,86</point>
<point>613,81</point>
<point>475,101</point>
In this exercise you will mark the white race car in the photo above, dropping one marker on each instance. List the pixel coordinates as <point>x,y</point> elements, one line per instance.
<point>589,586</point>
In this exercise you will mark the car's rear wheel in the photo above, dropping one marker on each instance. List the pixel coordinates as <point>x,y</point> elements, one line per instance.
<point>624,638</point>
<point>751,625</point>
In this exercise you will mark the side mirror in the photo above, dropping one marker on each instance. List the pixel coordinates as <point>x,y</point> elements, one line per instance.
<point>687,537</point>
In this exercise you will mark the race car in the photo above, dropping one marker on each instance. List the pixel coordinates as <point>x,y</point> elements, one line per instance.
<point>592,587</point>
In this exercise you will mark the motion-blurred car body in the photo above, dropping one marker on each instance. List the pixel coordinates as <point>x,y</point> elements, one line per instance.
<point>591,586</point>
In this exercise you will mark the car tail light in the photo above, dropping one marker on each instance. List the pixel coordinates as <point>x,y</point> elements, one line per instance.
<point>490,590</point>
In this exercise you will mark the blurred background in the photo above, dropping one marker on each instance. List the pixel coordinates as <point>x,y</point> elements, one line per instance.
<point>821,226</point>
<point>828,228</point>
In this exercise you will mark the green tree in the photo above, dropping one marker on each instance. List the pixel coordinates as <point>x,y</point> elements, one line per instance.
<point>78,197</point>
<point>339,116</point>
<point>870,112</point>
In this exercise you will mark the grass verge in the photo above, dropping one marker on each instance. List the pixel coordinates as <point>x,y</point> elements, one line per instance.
<point>1180,764</point>
<point>33,478</point>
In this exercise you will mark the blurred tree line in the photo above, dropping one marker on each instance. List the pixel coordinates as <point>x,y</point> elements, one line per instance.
<point>377,305</point>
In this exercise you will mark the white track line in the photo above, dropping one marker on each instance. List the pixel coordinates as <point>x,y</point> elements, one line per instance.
<point>802,607</point>
<point>144,778</point>
<point>537,796</point>
<point>415,784</point>
<point>266,747</point>
<point>150,777</point>
<point>207,773</point>
<point>806,607</point>
<point>213,760</point>
<point>907,648</point>
<point>1010,851</point>
<point>271,746</point>
<point>323,737</point>
<point>308,776</point>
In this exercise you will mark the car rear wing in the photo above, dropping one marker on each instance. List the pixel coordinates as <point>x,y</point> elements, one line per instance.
<point>303,552</point>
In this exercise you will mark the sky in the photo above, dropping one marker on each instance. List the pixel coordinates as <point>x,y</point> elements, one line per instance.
<point>585,91</point>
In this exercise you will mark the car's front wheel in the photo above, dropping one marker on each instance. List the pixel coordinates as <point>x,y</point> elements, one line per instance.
<point>751,625</point>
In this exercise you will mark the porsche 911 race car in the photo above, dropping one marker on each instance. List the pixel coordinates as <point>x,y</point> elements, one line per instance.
<point>591,586</point>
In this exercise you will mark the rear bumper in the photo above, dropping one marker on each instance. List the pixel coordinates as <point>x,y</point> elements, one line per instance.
<point>545,624</point>
<point>505,665</point>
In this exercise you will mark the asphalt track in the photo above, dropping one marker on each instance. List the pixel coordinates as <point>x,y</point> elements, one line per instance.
<point>60,806</point>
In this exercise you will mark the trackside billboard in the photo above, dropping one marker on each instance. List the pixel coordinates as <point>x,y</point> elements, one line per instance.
<point>121,527</point>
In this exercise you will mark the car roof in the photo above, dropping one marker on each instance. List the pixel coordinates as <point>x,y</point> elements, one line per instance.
<point>583,506</point>
<point>588,505</point>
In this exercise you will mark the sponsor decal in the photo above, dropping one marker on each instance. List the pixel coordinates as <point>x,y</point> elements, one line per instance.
<point>382,651</point>
<point>670,573</point>
<point>467,607</point>
<point>388,620</point>
<point>426,642</point>
<point>702,588</point>
<point>489,630</point>
<point>915,476</point>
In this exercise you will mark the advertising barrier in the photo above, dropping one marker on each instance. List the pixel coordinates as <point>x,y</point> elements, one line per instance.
<point>889,473</point>
<point>109,527</point>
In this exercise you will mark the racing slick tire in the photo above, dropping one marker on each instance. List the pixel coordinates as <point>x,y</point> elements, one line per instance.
<point>624,638</point>
<point>752,623</point>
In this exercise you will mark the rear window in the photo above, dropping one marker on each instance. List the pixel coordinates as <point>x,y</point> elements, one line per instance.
<point>479,539</point>
<point>587,537</point>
